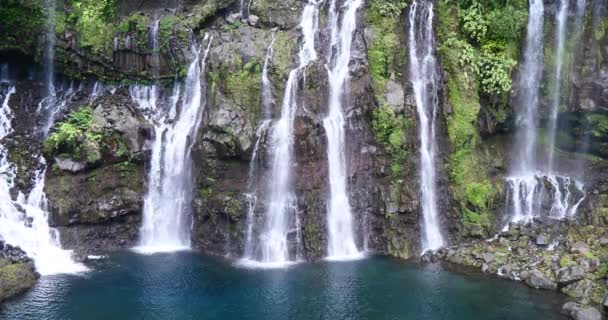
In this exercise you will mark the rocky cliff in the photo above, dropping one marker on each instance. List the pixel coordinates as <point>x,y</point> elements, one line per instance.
<point>97,158</point>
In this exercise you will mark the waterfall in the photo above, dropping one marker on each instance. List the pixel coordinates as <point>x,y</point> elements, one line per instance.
<point>24,221</point>
<point>562,19</point>
<point>341,242</point>
<point>532,183</point>
<point>423,74</point>
<point>49,48</point>
<point>529,85</point>
<point>168,201</point>
<point>251,196</point>
<point>281,218</point>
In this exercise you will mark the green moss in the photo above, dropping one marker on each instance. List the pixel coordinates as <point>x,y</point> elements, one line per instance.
<point>389,130</point>
<point>470,185</point>
<point>244,85</point>
<point>284,47</point>
<point>566,261</point>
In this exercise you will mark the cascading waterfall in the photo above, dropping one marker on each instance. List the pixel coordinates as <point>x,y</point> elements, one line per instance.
<point>23,222</point>
<point>530,182</point>
<point>341,242</point>
<point>167,204</point>
<point>251,196</point>
<point>281,217</point>
<point>423,74</point>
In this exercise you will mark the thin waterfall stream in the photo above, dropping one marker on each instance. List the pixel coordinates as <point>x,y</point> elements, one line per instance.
<point>424,77</point>
<point>261,134</point>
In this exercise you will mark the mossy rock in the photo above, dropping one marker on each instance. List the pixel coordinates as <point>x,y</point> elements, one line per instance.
<point>15,279</point>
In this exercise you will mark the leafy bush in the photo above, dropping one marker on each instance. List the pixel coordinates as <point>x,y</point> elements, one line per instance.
<point>92,19</point>
<point>494,68</point>
<point>473,22</point>
<point>389,130</point>
<point>68,140</point>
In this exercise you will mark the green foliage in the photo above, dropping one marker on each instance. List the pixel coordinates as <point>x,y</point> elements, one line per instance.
<point>77,138</point>
<point>386,54</point>
<point>389,130</point>
<point>494,68</point>
<point>484,40</point>
<point>68,139</point>
<point>598,123</point>
<point>20,23</point>
<point>473,22</point>
<point>390,8</point>
<point>137,26</point>
<point>93,22</point>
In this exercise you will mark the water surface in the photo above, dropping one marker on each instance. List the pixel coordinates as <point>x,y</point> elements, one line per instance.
<point>191,286</point>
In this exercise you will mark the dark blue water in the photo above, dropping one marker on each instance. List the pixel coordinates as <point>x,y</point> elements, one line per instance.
<point>191,286</point>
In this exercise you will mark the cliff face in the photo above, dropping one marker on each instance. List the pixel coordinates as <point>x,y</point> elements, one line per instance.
<point>96,194</point>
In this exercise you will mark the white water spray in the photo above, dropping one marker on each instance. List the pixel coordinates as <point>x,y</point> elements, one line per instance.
<point>24,222</point>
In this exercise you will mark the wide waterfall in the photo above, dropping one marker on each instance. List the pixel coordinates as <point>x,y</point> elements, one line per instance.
<point>24,221</point>
<point>341,242</point>
<point>167,204</point>
<point>535,181</point>
<point>423,74</point>
<point>281,216</point>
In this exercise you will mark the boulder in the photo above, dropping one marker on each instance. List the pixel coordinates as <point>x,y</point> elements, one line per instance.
<point>15,278</point>
<point>578,311</point>
<point>70,165</point>
<point>542,240</point>
<point>604,240</point>
<point>570,274</point>
<point>536,279</point>
<point>253,20</point>
<point>580,248</point>
<point>580,290</point>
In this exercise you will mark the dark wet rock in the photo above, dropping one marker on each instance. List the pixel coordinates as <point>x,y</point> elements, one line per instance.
<point>106,213</point>
<point>568,275</point>
<point>580,312</point>
<point>536,279</point>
